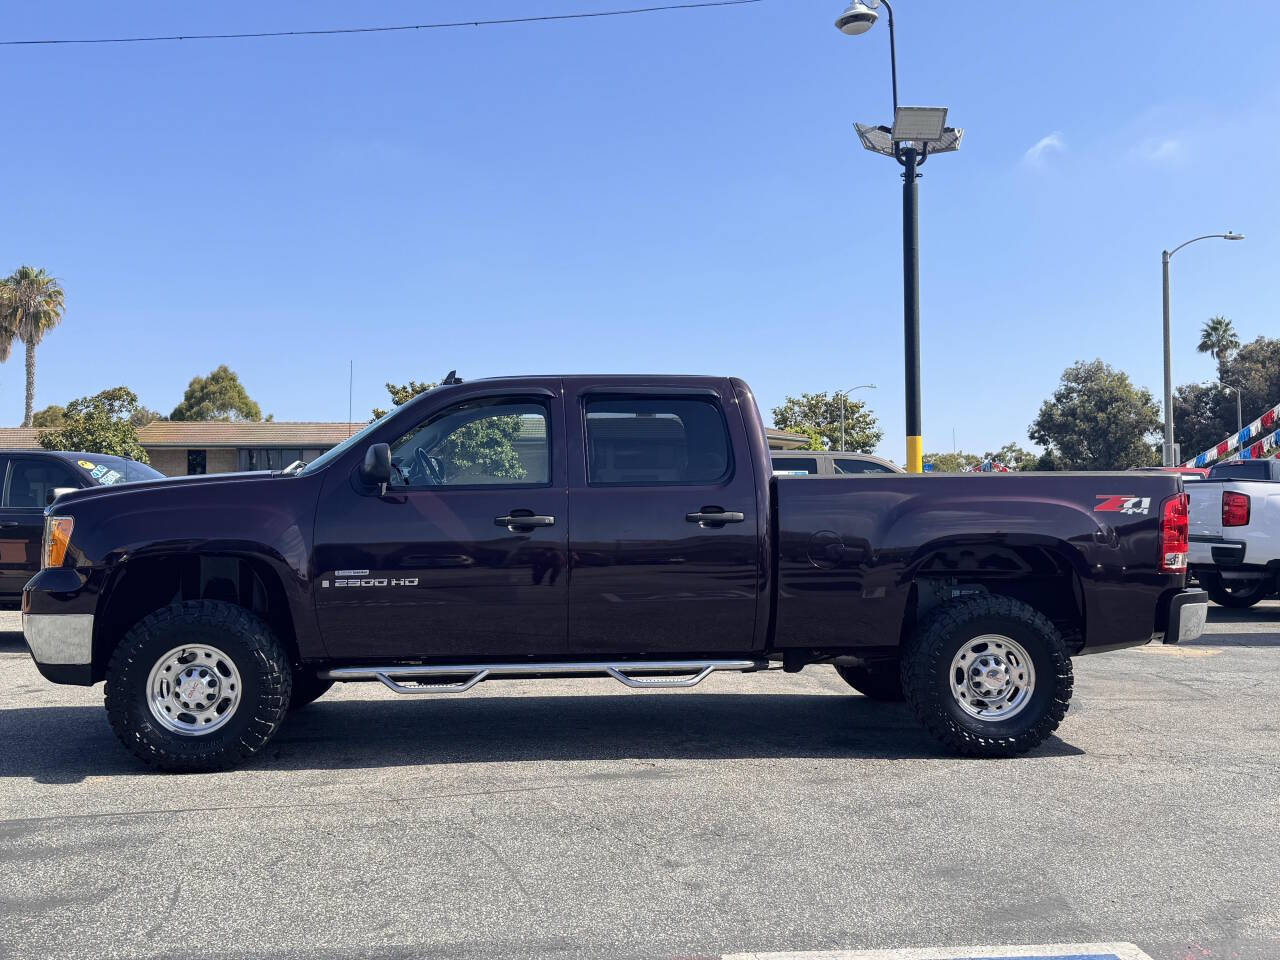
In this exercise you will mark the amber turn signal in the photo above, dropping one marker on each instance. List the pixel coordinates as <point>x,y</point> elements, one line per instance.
<point>57,537</point>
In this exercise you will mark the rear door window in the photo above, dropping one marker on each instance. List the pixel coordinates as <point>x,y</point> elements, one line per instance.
<point>785,465</point>
<point>656,440</point>
<point>860,466</point>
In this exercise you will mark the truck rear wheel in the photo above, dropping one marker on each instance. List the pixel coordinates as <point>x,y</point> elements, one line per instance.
<point>879,681</point>
<point>1237,594</point>
<point>987,675</point>
<point>200,685</point>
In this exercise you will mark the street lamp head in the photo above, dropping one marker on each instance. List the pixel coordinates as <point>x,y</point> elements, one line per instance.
<point>1232,236</point>
<point>858,17</point>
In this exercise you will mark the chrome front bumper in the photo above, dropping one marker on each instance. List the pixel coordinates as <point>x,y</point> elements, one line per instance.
<point>59,639</point>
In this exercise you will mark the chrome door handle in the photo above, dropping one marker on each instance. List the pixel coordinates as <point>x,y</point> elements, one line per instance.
<point>710,517</point>
<point>517,521</point>
<point>9,523</point>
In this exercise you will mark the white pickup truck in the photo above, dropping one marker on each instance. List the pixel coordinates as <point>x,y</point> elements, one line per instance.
<point>1235,531</point>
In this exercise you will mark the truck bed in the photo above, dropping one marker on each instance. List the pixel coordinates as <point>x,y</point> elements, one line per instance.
<point>861,557</point>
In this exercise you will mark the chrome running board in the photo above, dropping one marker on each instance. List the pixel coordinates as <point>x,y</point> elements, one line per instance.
<point>673,674</point>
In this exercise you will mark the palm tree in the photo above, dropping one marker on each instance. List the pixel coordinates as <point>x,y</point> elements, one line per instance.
<point>1218,337</point>
<point>31,305</point>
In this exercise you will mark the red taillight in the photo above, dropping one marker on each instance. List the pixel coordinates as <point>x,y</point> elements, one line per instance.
<point>1174,542</point>
<point>1235,509</point>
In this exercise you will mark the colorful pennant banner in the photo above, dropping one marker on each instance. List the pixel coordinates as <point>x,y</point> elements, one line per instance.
<point>1248,442</point>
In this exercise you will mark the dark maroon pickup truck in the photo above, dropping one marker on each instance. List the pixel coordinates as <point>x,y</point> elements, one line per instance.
<point>620,526</point>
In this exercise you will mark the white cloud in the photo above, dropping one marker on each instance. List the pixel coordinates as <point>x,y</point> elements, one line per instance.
<point>1040,150</point>
<point>1161,150</point>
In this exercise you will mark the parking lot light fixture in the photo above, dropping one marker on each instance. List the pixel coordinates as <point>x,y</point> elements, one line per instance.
<point>919,124</point>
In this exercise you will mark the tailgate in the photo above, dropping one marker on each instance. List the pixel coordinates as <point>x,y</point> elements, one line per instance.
<point>1206,508</point>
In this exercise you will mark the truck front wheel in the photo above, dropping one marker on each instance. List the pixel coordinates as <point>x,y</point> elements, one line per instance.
<point>200,685</point>
<point>987,675</point>
<point>879,681</point>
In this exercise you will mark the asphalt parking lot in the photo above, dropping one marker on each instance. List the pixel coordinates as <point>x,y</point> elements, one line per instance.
<point>577,819</point>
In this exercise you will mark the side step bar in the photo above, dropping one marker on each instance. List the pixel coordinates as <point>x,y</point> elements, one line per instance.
<point>636,674</point>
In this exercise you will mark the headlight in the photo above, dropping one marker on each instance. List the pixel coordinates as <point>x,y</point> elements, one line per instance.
<point>57,537</point>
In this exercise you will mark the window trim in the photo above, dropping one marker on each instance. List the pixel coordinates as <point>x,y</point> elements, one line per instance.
<point>709,397</point>
<point>531,399</point>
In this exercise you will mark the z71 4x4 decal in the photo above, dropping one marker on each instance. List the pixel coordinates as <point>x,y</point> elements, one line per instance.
<point>1123,504</point>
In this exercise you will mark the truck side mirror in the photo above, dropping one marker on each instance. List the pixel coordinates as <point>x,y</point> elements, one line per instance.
<point>56,492</point>
<point>376,468</point>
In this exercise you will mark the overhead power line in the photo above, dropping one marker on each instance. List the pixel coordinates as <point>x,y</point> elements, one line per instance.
<point>392,29</point>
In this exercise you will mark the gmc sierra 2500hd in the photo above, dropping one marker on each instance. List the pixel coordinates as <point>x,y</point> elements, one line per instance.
<point>621,526</point>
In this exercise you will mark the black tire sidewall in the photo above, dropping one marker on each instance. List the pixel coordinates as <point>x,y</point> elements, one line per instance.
<point>880,681</point>
<point>307,688</point>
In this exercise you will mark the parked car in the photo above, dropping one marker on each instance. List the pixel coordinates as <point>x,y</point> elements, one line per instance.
<point>618,526</point>
<point>828,463</point>
<point>1235,531</point>
<point>31,481</point>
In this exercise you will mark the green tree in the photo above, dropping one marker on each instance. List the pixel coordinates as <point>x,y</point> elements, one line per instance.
<point>219,396</point>
<point>820,413</point>
<point>402,394</point>
<point>144,415</point>
<point>31,304</point>
<point>1218,337</point>
<point>954,462</point>
<point>813,441</point>
<point>1098,420</point>
<point>1205,414</point>
<point>50,416</point>
<point>99,424</point>
<point>1014,457</point>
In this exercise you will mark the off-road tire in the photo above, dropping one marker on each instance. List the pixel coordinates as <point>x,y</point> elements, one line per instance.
<point>880,681</point>
<point>258,656</point>
<point>307,688</point>
<point>1216,587</point>
<point>926,665</point>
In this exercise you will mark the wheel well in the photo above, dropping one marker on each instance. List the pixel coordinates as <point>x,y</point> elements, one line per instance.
<point>1045,580</point>
<point>146,584</point>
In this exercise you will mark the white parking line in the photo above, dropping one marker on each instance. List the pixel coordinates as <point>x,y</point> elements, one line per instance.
<point>1060,951</point>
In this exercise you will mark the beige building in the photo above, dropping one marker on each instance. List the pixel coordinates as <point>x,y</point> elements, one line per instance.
<point>177,447</point>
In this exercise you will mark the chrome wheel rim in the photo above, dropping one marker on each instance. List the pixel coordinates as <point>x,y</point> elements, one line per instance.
<point>992,677</point>
<point>193,690</point>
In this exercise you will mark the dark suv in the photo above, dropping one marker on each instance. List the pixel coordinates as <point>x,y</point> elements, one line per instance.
<point>31,481</point>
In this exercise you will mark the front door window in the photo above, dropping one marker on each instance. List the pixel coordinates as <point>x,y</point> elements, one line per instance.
<point>481,443</point>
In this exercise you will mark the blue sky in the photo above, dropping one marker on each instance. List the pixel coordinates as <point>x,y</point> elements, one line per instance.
<point>675,192</point>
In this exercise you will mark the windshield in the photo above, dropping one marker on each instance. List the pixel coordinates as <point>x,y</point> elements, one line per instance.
<point>326,458</point>
<point>107,471</point>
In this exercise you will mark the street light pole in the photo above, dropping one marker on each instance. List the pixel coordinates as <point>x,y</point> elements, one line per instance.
<point>911,308</point>
<point>1165,257</point>
<point>844,395</point>
<point>916,134</point>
